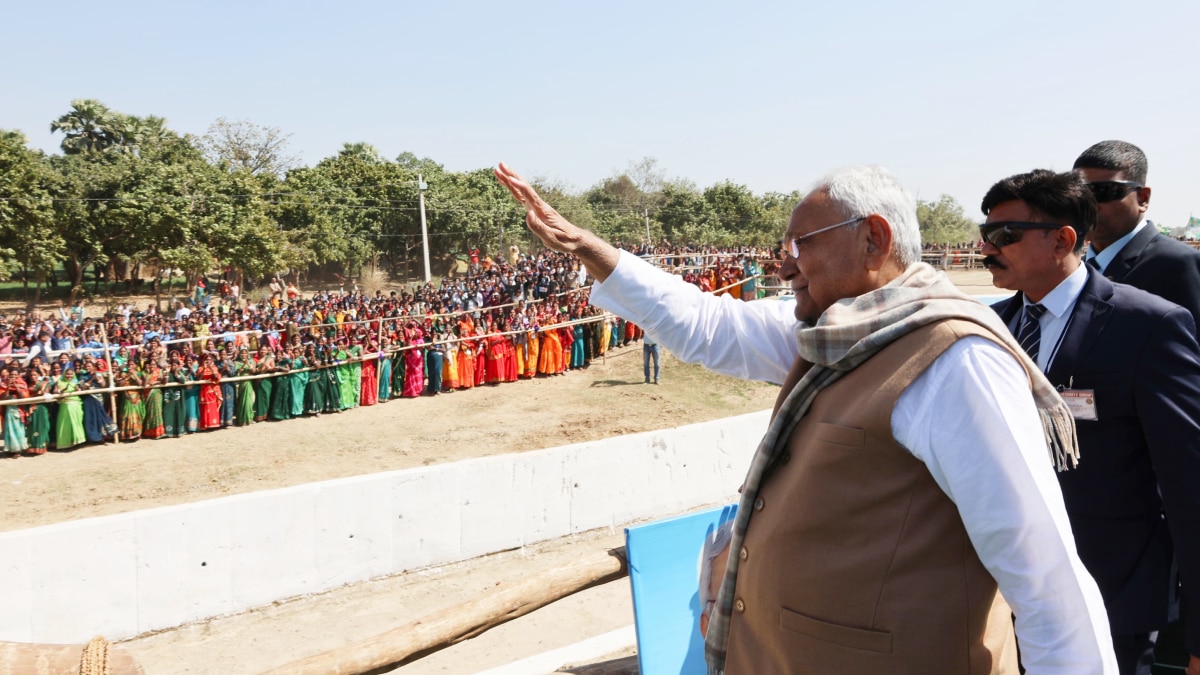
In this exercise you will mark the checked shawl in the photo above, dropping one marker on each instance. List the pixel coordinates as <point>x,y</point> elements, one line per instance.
<point>846,335</point>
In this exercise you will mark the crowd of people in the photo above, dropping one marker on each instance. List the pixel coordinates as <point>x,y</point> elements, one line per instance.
<point>738,271</point>
<point>221,359</point>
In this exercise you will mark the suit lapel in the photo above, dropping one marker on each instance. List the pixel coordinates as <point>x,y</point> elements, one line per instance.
<point>1128,256</point>
<point>1092,311</point>
<point>1007,309</point>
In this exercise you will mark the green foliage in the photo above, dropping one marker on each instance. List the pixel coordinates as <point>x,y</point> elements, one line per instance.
<point>26,213</point>
<point>943,222</point>
<point>738,215</point>
<point>128,188</point>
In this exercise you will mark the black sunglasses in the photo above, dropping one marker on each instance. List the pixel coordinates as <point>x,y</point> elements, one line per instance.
<point>1112,190</point>
<point>1003,233</point>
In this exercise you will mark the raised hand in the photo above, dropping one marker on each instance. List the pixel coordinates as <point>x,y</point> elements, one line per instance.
<point>555,231</point>
<point>549,225</point>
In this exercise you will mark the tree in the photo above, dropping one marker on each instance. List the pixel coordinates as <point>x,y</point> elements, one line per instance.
<point>620,208</point>
<point>241,144</point>
<point>140,132</point>
<point>943,222</point>
<point>409,161</point>
<point>738,214</point>
<point>26,211</point>
<point>778,207</point>
<point>89,127</point>
<point>683,213</point>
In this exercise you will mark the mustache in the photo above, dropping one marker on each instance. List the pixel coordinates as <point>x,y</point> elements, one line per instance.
<point>990,261</point>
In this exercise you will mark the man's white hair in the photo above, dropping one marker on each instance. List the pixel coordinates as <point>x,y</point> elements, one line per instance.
<point>862,190</point>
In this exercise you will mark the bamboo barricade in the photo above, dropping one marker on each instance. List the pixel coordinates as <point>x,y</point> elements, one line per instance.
<point>371,356</point>
<point>452,625</point>
<point>97,657</point>
<point>49,398</point>
<point>112,400</point>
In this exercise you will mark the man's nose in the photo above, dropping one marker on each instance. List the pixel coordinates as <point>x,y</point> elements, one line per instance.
<point>787,268</point>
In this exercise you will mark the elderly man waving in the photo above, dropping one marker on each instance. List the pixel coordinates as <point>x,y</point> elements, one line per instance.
<point>904,496</point>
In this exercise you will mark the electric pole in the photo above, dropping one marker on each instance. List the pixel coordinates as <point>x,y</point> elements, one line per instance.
<point>421,188</point>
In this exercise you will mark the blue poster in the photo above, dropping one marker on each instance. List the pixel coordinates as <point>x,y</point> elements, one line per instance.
<point>663,573</point>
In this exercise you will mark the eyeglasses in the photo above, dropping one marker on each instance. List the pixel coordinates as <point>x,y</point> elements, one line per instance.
<point>1112,190</point>
<point>1003,233</point>
<point>793,244</point>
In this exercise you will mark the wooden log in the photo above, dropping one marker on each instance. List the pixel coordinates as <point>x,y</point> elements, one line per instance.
<point>19,658</point>
<point>452,625</point>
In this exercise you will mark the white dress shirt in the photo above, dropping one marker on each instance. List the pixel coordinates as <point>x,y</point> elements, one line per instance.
<point>1059,304</point>
<point>1103,258</point>
<point>970,418</point>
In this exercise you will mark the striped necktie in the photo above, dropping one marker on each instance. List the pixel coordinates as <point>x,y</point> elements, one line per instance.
<point>1030,335</point>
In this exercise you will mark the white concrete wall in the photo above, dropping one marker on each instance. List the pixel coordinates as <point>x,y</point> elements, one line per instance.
<point>127,574</point>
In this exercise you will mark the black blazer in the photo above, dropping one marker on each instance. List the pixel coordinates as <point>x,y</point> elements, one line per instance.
<point>1161,265</point>
<point>1139,354</point>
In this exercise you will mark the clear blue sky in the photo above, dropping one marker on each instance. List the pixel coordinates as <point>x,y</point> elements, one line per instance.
<point>951,96</point>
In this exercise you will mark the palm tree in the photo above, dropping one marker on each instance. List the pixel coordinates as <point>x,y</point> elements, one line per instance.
<point>89,127</point>
<point>138,132</point>
<point>362,151</point>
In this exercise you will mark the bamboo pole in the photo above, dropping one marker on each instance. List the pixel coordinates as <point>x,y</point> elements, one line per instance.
<point>17,658</point>
<point>452,625</point>
<point>111,380</point>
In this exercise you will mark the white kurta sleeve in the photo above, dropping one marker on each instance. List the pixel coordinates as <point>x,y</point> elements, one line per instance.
<point>750,340</point>
<point>971,419</point>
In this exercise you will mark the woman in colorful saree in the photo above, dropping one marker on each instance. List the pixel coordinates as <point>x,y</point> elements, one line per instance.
<point>174,416</point>
<point>494,355</point>
<point>244,414</point>
<point>37,424</point>
<point>191,395</point>
<point>313,398</point>
<point>466,362</point>
<point>98,426</point>
<point>333,382</point>
<point>369,389</point>
<point>228,367</point>
<point>15,439</point>
<point>281,392</point>
<point>355,386</point>
<point>414,366</point>
<point>132,410</point>
<point>345,375</point>
<point>153,425</point>
<point>210,393</point>
<point>550,354</point>
<point>385,370</point>
<point>69,430</point>
<point>263,387</point>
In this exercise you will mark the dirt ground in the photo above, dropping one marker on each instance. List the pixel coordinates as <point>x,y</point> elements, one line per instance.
<point>607,399</point>
<point>604,400</point>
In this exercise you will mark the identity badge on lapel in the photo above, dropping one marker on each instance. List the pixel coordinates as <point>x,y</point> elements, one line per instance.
<point>1081,402</point>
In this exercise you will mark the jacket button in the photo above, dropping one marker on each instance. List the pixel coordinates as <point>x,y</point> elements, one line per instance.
<point>787,457</point>
<point>758,504</point>
<point>743,554</point>
<point>739,605</point>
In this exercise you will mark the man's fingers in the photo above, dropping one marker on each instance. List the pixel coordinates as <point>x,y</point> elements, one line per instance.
<point>507,183</point>
<point>521,190</point>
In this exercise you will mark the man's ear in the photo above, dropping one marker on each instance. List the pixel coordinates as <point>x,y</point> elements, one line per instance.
<point>878,241</point>
<point>1066,238</point>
